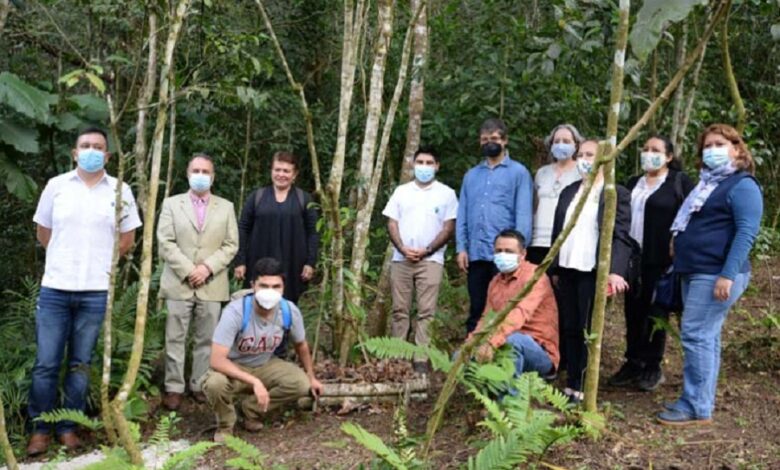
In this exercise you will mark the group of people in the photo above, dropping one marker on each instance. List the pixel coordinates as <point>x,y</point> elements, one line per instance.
<point>504,223</point>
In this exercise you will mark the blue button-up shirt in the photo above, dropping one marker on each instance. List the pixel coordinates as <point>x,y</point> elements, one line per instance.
<point>491,200</point>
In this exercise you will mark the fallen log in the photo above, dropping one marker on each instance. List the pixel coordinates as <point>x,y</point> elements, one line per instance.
<point>374,389</point>
<point>306,403</point>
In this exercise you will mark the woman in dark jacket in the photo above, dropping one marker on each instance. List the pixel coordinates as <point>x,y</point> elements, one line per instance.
<point>278,222</point>
<point>656,195</point>
<point>574,269</point>
<point>713,231</point>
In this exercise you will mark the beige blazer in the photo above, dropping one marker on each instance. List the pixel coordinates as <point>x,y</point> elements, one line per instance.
<point>182,247</point>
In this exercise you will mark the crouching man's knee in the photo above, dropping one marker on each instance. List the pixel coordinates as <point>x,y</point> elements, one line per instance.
<point>216,385</point>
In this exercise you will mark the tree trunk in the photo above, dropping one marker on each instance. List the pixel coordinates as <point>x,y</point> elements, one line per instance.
<point>245,160</point>
<point>147,90</point>
<point>610,205</point>
<point>5,7</point>
<point>148,235</point>
<point>680,149</point>
<point>172,136</point>
<point>8,451</point>
<point>730,78</point>
<point>654,89</point>
<point>679,94</point>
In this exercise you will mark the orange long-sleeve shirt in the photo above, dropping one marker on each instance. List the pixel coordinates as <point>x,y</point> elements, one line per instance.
<point>536,315</point>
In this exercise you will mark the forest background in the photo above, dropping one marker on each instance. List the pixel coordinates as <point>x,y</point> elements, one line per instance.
<point>221,87</point>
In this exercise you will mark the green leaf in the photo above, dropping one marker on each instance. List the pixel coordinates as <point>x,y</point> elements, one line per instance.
<point>651,20</point>
<point>25,98</point>
<point>93,106</point>
<point>68,122</point>
<point>375,444</point>
<point>16,182</point>
<point>96,82</point>
<point>23,139</point>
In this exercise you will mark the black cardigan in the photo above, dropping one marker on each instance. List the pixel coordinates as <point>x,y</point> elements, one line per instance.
<point>621,240</point>
<point>660,210</point>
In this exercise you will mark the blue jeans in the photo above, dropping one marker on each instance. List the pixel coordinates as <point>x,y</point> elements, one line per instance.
<point>702,320</point>
<point>530,357</point>
<point>75,319</point>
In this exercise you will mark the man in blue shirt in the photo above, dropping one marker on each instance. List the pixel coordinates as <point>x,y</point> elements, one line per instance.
<point>496,194</point>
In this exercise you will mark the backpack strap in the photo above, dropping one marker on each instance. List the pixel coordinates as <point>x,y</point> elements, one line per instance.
<point>247,312</point>
<point>678,189</point>
<point>247,315</point>
<point>258,196</point>
<point>286,314</point>
<point>301,197</point>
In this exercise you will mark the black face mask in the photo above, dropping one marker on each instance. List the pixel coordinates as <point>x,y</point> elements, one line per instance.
<point>492,149</point>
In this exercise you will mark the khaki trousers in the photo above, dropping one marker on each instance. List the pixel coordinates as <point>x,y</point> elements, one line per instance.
<point>205,316</point>
<point>406,278</point>
<point>285,382</point>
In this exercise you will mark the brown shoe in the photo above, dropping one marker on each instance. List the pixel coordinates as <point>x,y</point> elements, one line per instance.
<point>199,397</point>
<point>70,440</point>
<point>172,400</point>
<point>38,444</point>
<point>253,425</point>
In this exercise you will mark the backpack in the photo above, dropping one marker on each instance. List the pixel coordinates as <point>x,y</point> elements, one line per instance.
<point>286,315</point>
<point>298,193</point>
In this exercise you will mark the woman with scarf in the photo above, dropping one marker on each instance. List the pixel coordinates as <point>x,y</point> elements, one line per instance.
<point>713,231</point>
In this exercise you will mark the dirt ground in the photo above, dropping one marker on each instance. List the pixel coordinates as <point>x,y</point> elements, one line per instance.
<point>745,433</point>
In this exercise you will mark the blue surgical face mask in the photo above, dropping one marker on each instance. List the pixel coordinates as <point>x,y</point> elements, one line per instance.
<point>424,173</point>
<point>584,167</point>
<point>506,262</point>
<point>562,151</point>
<point>200,182</point>
<point>91,160</point>
<point>716,157</point>
<point>652,161</point>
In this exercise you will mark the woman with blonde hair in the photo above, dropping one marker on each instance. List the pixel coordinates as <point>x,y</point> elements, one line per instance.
<point>713,231</point>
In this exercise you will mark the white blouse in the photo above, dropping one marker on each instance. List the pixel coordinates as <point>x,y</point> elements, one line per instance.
<point>579,250</point>
<point>639,196</point>
<point>548,188</point>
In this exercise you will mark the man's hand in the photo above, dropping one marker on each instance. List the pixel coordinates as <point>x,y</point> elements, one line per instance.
<point>316,387</point>
<point>485,353</point>
<point>263,399</point>
<point>239,272</point>
<point>307,273</point>
<point>722,289</point>
<point>199,275</point>
<point>412,254</point>
<point>616,283</point>
<point>463,261</point>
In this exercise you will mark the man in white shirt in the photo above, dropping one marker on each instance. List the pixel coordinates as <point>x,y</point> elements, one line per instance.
<point>421,219</point>
<point>75,224</point>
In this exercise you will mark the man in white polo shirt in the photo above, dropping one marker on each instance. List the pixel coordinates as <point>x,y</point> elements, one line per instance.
<point>421,219</point>
<point>75,224</point>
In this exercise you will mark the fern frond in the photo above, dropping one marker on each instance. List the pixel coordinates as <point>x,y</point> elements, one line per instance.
<point>164,429</point>
<point>77,416</point>
<point>241,463</point>
<point>592,423</point>
<point>502,453</point>
<point>392,348</point>
<point>185,459</point>
<point>497,420</point>
<point>246,451</point>
<point>440,360</point>
<point>374,443</point>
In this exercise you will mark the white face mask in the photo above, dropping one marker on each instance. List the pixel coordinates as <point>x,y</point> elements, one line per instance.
<point>268,298</point>
<point>652,161</point>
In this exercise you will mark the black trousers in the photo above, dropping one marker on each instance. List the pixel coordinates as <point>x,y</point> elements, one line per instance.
<point>536,254</point>
<point>478,279</point>
<point>574,294</point>
<point>644,347</point>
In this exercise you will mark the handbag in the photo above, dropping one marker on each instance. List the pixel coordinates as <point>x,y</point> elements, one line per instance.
<point>668,292</point>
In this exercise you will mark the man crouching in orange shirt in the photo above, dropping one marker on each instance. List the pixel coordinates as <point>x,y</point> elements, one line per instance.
<point>531,328</point>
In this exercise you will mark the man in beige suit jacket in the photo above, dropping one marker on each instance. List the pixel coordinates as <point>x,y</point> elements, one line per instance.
<point>198,238</point>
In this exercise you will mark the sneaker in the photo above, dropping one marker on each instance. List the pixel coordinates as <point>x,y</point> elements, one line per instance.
<point>220,435</point>
<point>650,379</point>
<point>626,376</point>
<point>678,418</point>
<point>575,397</point>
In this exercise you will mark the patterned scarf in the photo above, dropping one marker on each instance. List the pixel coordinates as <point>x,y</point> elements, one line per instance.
<point>709,180</point>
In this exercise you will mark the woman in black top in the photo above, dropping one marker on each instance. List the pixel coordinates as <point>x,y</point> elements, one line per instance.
<point>656,195</point>
<point>278,222</point>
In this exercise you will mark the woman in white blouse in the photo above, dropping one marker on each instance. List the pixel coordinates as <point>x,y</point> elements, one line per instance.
<point>656,195</point>
<point>562,145</point>
<point>574,269</point>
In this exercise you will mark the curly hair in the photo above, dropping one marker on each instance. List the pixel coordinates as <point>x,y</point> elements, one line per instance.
<point>744,159</point>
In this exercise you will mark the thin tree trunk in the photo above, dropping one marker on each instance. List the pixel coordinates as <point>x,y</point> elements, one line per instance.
<point>172,132</point>
<point>491,324</point>
<point>680,149</point>
<point>610,205</point>
<point>731,78</point>
<point>654,88</point>
<point>5,7</point>
<point>679,94</point>
<point>245,160</point>
<point>147,90</point>
<point>148,235</point>
<point>8,451</point>
<point>363,220</point>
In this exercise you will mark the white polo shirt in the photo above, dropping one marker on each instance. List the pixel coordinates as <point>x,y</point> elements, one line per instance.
<point>81,219</point>
<point>421,213</point>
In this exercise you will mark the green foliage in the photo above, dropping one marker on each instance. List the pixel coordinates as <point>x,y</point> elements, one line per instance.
<point>186,459</point>
<point>653,17</point>
<point>25,98</point>
<point>249,457</point>
<point>375,444</point>
<point>77,416</point>
<point>165,428</point>
<point>397,348</point>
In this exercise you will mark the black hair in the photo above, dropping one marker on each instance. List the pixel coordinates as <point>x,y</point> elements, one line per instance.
<point>93,130</point>
<point>428,151</point>
<point>674,163</point>
<point>268,267</point>
<point>511,233</point>
<point>202,155</point>
<point>492,125</point>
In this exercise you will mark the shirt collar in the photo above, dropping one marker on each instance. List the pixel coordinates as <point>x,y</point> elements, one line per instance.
<point>504,161</point>
<point>202,199</point>
<point>520,272</point>
<point>74,175</point>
